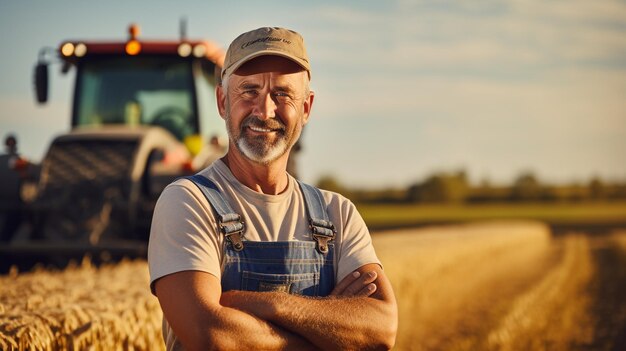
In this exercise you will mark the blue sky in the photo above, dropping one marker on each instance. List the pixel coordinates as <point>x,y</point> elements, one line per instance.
<point>403,88</point>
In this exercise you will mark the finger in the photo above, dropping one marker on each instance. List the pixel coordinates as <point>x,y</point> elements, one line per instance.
<point>368,290</point>
<point>355,287</point>
<point>345,282</point>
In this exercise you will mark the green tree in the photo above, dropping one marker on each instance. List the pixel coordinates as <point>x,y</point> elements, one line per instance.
<point>526,188</point>
<point>441,188</point>
<point>597,189</point>
<point>330,183</point>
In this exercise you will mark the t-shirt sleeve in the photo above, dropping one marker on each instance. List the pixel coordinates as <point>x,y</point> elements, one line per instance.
<point>183,234</point>
<point>355,249</point>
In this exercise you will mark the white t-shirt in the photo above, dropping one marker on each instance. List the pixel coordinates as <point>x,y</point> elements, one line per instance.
<point>184,232</point>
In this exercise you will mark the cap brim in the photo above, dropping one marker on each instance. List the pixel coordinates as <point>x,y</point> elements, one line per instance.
<point>242,61</point>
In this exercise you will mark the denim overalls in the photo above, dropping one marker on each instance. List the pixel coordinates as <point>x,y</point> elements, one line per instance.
<point>295,267</point>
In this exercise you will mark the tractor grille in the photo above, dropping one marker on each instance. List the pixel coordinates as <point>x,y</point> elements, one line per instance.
<point>95,163</point>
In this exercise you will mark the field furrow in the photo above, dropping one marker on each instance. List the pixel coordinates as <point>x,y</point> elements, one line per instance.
<point>506,286</point>
<point>555,313</point>
<point>453,284</point>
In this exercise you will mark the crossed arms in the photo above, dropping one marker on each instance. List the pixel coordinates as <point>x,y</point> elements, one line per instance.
<point>361,313</point>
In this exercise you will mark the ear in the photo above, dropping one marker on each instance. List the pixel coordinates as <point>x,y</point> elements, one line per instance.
<point>220,95</point>
<point>308,105</point>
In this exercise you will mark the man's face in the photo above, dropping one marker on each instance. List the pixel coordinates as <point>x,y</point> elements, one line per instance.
<point>265,108</point>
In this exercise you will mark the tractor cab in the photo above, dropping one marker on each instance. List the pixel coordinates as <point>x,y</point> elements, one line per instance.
<point>168,84</point>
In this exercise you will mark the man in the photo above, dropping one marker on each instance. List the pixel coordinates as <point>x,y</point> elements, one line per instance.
<point>242,256</point>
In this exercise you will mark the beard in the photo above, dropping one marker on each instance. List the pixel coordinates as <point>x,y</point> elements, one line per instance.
<point>263,149</point>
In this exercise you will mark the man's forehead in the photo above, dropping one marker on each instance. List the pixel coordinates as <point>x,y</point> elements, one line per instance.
<point>273,81</point>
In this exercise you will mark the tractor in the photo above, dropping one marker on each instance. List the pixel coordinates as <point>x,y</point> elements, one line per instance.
<point>143,114</point>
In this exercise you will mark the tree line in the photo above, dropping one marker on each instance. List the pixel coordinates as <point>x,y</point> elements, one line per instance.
<point>455,188</point>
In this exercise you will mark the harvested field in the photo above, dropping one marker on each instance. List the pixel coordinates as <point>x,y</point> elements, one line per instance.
<point>485,286</point>
<point>506,286</point>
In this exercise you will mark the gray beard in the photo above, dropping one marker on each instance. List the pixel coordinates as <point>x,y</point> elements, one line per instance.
<point>257,149</point>
<point>262,154</point>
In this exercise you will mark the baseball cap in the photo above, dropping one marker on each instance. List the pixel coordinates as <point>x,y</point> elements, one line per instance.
<point>265,41</point>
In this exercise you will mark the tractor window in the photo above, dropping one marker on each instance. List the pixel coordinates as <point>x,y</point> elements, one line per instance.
<point>210,121</point>
<point>132,91</point>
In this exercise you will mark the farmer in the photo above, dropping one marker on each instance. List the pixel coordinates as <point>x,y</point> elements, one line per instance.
<point>244,256</point>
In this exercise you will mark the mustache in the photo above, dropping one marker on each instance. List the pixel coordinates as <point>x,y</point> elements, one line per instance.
<point>272,123</point>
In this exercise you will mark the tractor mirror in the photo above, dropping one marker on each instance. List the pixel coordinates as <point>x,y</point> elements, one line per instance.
<point>41,82</point>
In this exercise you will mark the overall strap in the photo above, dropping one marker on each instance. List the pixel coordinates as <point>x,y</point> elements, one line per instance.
<point>229,222</point>
<point>322,228</point>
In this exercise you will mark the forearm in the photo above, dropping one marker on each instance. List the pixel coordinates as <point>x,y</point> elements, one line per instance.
<point>232,329</point>
<point>329,323</point>
<point>190,302</point>
<point>357,323</point>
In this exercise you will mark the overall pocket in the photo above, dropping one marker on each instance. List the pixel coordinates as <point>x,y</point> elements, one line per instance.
<point>299,284</point>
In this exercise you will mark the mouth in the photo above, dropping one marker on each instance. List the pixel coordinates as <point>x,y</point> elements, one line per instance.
<point>263,127</point>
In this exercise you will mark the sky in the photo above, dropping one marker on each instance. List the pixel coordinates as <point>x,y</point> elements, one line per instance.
<point>403,88</point>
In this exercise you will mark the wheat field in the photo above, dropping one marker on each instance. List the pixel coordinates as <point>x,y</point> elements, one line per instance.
<point>506,286</point>
<point>482,286</point>
<point>80,308</point>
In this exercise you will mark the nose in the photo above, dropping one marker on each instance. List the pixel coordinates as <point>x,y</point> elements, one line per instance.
<point>265,107</point>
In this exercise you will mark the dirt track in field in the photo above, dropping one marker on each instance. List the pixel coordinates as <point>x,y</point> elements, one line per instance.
<point>507,287</point>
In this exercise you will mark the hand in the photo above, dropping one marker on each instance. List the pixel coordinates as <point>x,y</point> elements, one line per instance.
<point>228,299</point>
<point>356,284</point>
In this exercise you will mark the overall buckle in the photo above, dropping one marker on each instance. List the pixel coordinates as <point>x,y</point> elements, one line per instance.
<point>233,231</point>
<point>323,232</point>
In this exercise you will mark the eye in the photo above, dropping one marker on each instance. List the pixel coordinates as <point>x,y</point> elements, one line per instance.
<point>250,93</point>
<point>281,95</point>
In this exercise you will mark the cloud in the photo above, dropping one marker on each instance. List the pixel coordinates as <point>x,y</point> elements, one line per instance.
<point>575,11</point>
<point>567,125</point>
<point>558,95</point>
<point>515,35</point>
<point>540,59</point>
